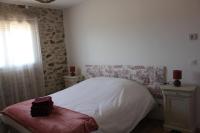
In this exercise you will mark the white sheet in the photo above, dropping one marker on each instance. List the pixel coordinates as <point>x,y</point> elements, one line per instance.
<point>116,104</point>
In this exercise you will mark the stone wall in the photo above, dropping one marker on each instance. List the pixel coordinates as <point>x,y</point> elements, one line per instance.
<point>51,31</point>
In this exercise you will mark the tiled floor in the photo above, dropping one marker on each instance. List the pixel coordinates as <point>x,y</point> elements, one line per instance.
<point>149,126</point>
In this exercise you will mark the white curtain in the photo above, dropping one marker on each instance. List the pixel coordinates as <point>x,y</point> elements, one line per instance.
<point>21,71</point>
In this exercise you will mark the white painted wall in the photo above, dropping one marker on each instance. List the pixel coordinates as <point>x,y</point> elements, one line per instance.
<point>148,32</point>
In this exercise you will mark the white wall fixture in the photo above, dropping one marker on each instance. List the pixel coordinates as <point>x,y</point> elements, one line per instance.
<point>45,1</point>
<point>55,4</point>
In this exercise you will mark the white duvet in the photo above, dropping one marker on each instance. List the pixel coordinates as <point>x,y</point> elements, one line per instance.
<point>116,104</point>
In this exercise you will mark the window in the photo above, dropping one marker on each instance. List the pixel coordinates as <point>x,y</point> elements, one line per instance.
<point>21,69</point>
<point>16,43</point>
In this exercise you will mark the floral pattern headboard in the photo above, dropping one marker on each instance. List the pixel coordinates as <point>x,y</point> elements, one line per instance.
<point>150,76</point>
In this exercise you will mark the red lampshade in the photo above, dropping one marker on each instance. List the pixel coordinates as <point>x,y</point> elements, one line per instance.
<point>177,74</point>
<point>72,69</point>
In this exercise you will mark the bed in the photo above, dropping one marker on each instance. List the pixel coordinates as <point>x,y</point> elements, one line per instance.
<point>117,97</point>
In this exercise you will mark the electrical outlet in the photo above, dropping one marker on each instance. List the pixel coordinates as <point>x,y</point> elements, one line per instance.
<point>193,36</point>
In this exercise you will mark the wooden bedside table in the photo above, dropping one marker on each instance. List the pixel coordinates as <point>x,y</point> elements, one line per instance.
<point>179,108</point>
<point>71,80</point>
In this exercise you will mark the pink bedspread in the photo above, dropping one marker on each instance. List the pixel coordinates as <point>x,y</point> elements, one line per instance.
<point>61,120</point>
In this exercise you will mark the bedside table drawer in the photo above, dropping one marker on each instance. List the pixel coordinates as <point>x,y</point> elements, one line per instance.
<point>178,94</point>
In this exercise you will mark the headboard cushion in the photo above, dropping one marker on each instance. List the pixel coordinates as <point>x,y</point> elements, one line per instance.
<point>151,76</point>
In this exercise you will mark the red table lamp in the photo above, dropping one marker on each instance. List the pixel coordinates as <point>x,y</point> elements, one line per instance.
<point>177,75</point>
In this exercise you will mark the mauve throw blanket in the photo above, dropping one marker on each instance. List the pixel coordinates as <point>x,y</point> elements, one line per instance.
<point>61,120</point>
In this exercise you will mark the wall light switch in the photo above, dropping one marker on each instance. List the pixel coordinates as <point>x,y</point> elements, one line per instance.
<point>193,36</point>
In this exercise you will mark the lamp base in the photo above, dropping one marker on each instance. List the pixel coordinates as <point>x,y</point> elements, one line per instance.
<point>72,74</point>
<point>177,83</point>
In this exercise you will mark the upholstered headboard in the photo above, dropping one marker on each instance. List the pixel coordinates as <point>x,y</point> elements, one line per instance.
<point>150,76</point>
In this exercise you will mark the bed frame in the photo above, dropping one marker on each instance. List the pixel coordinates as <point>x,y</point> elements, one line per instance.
<point>7,125</point>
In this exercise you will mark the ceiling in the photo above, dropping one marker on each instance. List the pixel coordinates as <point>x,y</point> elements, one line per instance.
<point>58,4</point>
